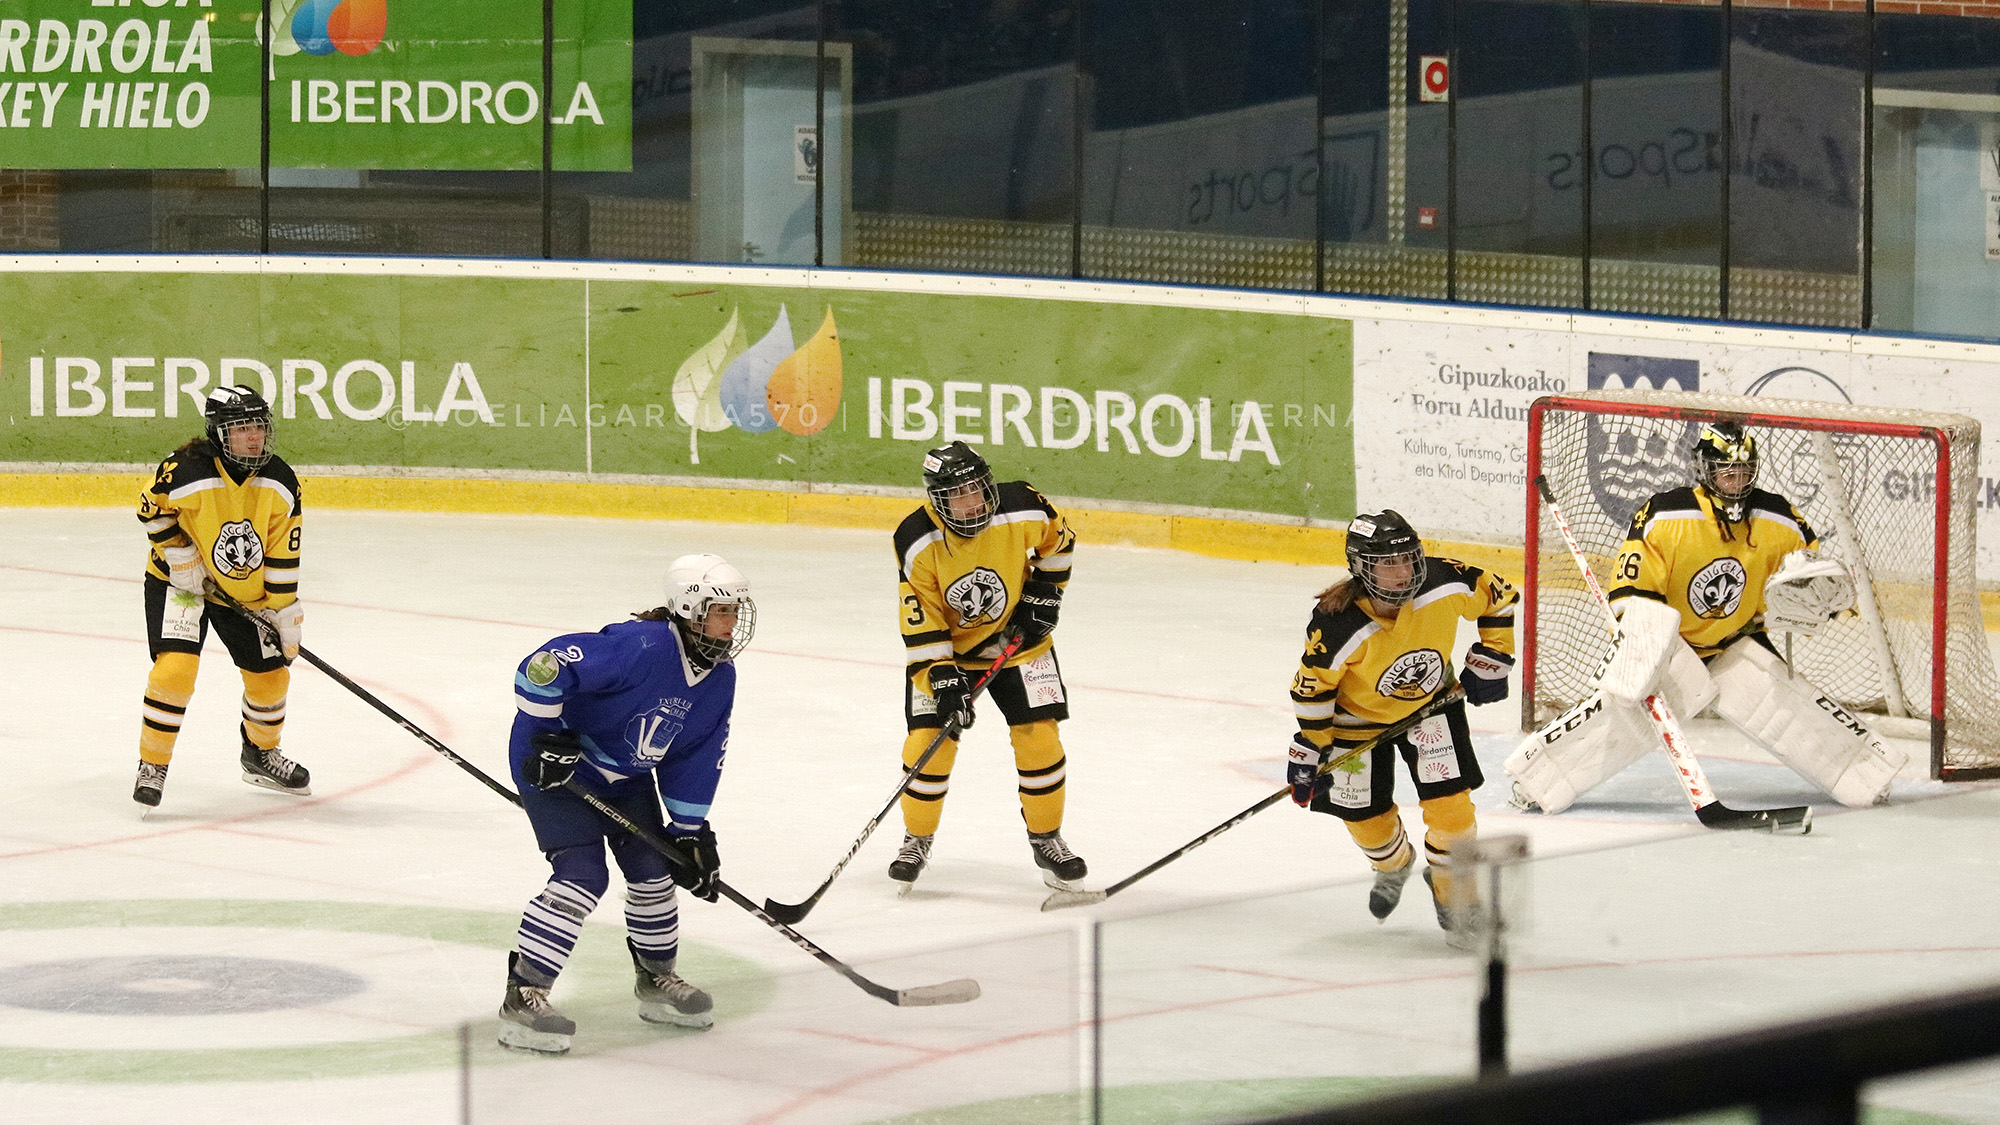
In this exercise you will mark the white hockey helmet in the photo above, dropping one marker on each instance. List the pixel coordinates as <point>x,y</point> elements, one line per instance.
<point>701,585</point>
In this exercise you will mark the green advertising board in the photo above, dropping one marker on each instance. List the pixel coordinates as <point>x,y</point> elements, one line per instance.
<point>1201,408</point>
<point>436,84</point>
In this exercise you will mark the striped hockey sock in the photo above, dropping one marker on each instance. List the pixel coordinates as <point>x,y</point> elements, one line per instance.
<point>551,925</point>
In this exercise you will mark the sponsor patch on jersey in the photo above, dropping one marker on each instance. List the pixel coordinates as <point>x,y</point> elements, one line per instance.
<point>1042,683</point>
<point>1352,785</point>
<point>1414,675</point>
<point>1717,589</point>
<point>181,619</point>
<point>238,552</point>
<point>542,669</point>
<point>1437,758</point>
<point>978,597</point>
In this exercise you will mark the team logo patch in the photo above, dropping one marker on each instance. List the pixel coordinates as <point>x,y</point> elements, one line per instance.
<point>977,597</point>
<point>1414,675</point>
<point>542,669</point>
<point>1717,589</point>
<point>238,552</point>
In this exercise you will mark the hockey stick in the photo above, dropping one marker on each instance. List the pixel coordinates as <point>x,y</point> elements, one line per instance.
<point>1061,899</point>
<point>795,912</point>
<point>1708,808</point>
<point>950,992</point>
<point>270,635</point>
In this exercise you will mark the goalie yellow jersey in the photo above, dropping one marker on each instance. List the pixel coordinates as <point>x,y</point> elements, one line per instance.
<point>1679,553</point>
<point>957,593</point>
<point>247,531</point>
<point>1362,672</point>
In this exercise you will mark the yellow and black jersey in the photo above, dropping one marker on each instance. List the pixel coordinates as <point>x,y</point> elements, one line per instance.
<point>957,593</point>
<point>1679,553</point>
<point>247,531</point>
<point>1361,672</point>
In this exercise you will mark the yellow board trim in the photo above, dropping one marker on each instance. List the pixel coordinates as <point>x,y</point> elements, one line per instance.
<point>1200,535</point>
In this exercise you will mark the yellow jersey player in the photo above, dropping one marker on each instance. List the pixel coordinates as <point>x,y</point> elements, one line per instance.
<point>1704,573</point>
<point>978,562</point>
<point>1378,648</point>
<point>223,513</point>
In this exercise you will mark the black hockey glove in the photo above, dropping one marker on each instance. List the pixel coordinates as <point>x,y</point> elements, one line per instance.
<point>554,761</point>
<point>1035,614</point>
<point>1302,770</point>
<point>953,694</point>
<point>698,876</point>
<point>1485,675</point>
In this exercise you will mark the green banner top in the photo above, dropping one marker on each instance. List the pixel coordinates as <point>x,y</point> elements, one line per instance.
<point>437,84</point>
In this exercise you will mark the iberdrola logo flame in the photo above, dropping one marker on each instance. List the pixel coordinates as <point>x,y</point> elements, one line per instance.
<point>321,27</point>
<point>771,384</point>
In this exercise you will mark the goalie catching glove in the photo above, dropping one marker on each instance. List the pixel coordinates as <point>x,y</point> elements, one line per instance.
<point>1806,590</point>
<point>1485,676</point>
<point>1302,770</point>
<point>701,865</point>
<point>554,761</point>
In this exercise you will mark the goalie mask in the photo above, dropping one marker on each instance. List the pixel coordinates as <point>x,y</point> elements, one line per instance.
<point>1725,467</point>
<point>961,488</point>
<point>710,600</point>
<point>1386,557</point>
<point>239,427</point>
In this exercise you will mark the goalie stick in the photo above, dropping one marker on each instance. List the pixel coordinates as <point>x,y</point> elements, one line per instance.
<point>1061,899</point>
<point>950,992</point>
<point>1708,808</point>
<point>795,912</point>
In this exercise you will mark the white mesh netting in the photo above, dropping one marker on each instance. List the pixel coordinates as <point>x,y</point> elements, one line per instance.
<point>1864,477</point>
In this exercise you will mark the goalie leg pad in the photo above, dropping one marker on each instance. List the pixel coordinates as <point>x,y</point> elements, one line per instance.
<point>1647,633</point>
<point>1819,739</point>
<point>1579,749</point>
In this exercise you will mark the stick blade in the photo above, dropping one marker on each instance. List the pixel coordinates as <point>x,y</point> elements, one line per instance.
<point>1796,820</point>
<point>789,915</point>
<point>961,991</point>
<point>1062,899</point>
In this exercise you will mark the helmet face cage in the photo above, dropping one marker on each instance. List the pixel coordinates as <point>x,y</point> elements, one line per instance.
<point>1375,543</point>
<point>234,409</point>
<point>700,585</point>
<point>955,471</point>
<point>1723,446</point>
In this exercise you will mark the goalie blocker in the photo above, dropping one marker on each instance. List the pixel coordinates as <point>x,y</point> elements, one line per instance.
<point>1749,685</point>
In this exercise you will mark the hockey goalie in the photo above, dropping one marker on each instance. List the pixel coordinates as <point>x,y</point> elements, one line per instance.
<point>1704,575</point>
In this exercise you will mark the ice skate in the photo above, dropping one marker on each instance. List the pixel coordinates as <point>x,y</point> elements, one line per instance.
<point>270,769</point>
<point>909,862</point>
<point>665,998</point>
<point>1062,869</point>
<point>1461,925</point>
<point>528,1022</point>
<point>146,787</point>
<point>1388,890</point>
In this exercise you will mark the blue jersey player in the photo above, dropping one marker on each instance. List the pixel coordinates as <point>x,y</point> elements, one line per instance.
<point>638,713</point>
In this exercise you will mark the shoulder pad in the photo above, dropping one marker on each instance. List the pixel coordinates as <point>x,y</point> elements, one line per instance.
<point>1328,633</point>
<point>1020,496</point>
<point>915,527</point>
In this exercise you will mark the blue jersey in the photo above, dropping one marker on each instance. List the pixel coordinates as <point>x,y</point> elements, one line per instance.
<point>637,704</point>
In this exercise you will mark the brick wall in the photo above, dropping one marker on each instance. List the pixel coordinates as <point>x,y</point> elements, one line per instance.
<point>28,219</point>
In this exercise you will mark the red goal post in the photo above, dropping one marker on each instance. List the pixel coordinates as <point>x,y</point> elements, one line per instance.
<point>1890,493</point>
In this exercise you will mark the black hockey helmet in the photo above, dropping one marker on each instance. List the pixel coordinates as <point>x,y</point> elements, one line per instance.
<point>1377,543</point>
<point>1725,446</point>
<point>239,408</point>
<point>956,471</point>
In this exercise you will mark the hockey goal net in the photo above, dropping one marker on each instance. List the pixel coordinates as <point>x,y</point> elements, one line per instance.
<point>1890,493</point>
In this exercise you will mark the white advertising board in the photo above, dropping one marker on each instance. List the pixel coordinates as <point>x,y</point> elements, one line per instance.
<point>1441,403</point>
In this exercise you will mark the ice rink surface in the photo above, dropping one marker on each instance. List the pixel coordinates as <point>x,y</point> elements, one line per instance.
<point>242,955</point>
